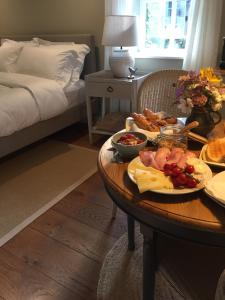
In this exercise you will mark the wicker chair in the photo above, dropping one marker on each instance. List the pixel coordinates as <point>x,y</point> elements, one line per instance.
<point>157,92</point>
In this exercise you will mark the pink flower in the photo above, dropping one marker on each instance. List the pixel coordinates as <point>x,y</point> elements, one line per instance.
<point>199,100</point>
<point>199,90</point>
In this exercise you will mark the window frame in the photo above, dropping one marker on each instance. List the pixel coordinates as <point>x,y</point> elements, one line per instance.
<point>143,52</point>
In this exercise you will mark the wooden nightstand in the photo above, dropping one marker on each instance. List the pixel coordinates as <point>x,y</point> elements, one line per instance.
<point>102,84</point>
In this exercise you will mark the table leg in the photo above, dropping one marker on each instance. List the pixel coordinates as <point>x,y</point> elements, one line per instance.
<point>149,262</point>
<point>103,107</point>
<point>114,211</point>
<point>131,233</point>
<point>89,118</point>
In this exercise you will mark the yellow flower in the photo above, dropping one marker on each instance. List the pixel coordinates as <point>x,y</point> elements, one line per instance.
<point>210,76</point>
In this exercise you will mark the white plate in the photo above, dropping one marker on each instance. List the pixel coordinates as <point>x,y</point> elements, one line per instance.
<point>215,188</point>
<point>207,174</point>
<point>210,163</point>
<point>151,135</point>
<point>217,200</point>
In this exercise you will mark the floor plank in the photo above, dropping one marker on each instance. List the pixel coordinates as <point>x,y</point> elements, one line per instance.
<point>88,212</point>
<point>82,238</point>
<point>66,266</point>
<point>59,255</point>
<point>18,281</point>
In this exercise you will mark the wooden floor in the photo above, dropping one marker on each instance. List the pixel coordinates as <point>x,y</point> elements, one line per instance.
<point>59,256</point>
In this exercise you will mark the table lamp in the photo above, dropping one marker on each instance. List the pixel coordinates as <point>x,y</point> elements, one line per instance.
<point>120,31</point>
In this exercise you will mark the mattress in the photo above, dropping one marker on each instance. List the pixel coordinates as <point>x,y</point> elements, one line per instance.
<point>26,100</point>
<point>75,93</point>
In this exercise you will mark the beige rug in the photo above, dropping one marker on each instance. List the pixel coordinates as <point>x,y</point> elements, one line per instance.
<point>121,275</point>
<point>36,179</point>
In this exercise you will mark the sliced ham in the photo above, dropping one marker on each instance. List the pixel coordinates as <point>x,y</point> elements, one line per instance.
<point>158,159</point>
<point>161,157</point>
<point>175,155</point>
<point>182,163</point>
<point>148,159</point>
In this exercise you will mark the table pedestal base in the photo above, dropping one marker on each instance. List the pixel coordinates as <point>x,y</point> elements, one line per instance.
<point>131,233</point>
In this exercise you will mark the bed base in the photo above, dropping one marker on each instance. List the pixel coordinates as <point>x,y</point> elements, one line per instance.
<point>29,135</point>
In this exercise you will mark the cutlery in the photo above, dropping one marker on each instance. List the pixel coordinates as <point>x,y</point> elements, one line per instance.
<point>189,126</point>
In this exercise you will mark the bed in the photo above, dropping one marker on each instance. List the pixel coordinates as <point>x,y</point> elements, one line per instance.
<point>73,113</point>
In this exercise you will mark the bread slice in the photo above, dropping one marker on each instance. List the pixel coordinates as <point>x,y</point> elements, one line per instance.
<point>215,150</point>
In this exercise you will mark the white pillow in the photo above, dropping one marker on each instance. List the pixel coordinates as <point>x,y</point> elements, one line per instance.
<point>8,58</point>
<point>42,42</point>
<point>10,43</point>
<point>80,50</point>
<point>47,62</point>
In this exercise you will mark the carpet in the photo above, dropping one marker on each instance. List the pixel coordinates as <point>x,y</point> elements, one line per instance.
<point>121,275</point>
<point>34,180</point>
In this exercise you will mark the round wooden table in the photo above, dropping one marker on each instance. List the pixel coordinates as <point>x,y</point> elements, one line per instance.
<point>193,216</point>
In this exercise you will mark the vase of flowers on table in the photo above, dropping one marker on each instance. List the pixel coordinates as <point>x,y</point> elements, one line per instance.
<point>201,95</point>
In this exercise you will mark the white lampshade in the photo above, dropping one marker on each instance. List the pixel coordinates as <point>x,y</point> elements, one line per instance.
<point>120,31</point>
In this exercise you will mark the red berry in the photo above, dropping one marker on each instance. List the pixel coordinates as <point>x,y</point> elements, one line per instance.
<point>182,178</point>
<point>168,172</point>
<point>189,169</point>
<point>173,165</point>
<point>175,182</point>
<point>176,171</point>
<point>191,183</point>
<point>167,167</point>
<point>129,136</point>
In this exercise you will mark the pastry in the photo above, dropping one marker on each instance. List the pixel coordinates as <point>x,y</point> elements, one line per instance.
<point>150,115</point>
<point>152,121</point>
<point>141,121</point>
<point>215,150</point>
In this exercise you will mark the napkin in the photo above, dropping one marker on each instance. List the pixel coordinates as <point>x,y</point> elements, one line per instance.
<point>215,186</point>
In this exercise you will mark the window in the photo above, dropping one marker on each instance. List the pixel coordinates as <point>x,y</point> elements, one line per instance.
<point>163,27</point>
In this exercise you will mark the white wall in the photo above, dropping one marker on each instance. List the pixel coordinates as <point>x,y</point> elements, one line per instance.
<point>53,16</point>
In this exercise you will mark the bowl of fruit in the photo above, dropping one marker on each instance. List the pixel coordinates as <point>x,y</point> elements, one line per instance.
<point>128,144</point>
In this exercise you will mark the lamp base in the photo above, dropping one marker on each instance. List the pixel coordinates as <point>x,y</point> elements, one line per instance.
<point>120,63</point>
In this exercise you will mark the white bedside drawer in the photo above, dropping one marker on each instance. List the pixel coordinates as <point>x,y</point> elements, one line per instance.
<point>109,90</point>
<point>102,85</point>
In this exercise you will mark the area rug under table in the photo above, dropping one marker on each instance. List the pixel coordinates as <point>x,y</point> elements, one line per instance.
<point>34,180</point>
<point>121,275</point>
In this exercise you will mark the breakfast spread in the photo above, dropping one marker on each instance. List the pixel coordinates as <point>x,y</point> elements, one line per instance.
<point>168,169</point>
<point>152,121</point>
<point>172,168</point>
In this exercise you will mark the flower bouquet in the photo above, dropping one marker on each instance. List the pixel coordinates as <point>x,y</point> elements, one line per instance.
<point>201,96</point>
<point>203,89</point>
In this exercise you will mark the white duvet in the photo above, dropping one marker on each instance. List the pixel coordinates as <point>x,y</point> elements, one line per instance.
<point>26,100</point>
